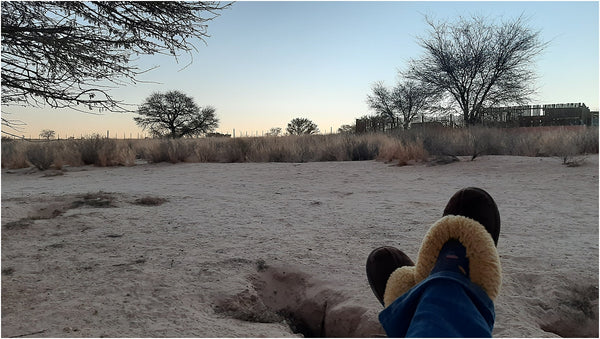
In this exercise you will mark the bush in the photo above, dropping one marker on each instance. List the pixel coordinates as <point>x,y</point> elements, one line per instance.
<point>524,141</point>
<point>361,148</point>
<point>13,154</point>
<point>40,155</point>
<point>206,150</point>
<point>89,149</point>
<point>172,151</point>
<point>102,152</point>
<point>403,151</point>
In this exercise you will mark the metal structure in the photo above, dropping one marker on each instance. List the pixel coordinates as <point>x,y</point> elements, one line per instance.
<point>569,114</point>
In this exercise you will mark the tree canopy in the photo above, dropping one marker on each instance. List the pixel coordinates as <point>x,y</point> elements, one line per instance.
<point>70,53</point>
<point>174,114</point>
<point>47,134</point>
<point>299,126</point>
<point>479,63</point>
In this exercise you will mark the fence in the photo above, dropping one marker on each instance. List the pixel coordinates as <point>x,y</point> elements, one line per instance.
<point>570,114</point>
<point>131,136</point>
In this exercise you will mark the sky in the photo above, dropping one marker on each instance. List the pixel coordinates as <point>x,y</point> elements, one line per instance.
<point>266,63</point>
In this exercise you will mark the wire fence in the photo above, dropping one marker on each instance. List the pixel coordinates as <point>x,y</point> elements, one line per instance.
<point>133,136</point>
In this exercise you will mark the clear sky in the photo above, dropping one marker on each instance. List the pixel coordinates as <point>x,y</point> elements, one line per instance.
<point>269,62</point>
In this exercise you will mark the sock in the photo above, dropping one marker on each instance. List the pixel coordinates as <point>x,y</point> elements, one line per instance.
<point>452,257</point>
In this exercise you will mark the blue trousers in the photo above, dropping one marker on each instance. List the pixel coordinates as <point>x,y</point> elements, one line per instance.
<point>446,304</point>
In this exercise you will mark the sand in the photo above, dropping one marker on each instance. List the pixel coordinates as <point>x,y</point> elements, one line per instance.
<point>266,249</point>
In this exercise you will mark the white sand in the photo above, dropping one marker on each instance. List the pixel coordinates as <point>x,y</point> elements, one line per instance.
<point>240,241</point>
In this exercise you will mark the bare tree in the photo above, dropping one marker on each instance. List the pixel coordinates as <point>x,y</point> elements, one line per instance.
<point>274,132</point>
<point>478,62</point>
<point>70,53</point>
<point>347,129</point>
<point>175,115</point>
<point>406,100</point>
<point>47,134</point>
<point>381,102</point>
<point>299,126</point>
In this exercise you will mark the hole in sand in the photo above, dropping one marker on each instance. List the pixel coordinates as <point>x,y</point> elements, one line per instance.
<point>150,201</point>
<point>100,199</point>
<point>574,313</point>
<point>306,304</point>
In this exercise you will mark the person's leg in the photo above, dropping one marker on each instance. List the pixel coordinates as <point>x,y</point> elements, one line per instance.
<point>381,263</point>
<point>453,295</point>
<point>446,304</point>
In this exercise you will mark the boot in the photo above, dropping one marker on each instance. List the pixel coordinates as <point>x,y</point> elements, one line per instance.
<point>381,263</point>
<point>476,204</point>
<point>453,232</point>
<point>470,225</point>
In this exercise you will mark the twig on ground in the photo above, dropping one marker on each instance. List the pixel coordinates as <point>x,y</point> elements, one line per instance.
<point>138,261</point>
<point>26,334</point>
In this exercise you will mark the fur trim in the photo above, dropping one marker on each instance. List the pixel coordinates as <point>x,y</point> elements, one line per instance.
<point>484,262</point>
<point>399,282</point>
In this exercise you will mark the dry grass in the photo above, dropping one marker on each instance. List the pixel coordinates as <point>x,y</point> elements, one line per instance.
<point>40,155</point>
<point>404,147</point>
<point>533,141</point>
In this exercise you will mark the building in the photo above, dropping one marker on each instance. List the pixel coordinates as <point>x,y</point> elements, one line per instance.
<point>540,115</point>
<point>594,115</point>
<point>570,114</point>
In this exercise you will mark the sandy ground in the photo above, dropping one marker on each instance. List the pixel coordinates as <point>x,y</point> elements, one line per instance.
<point>265,249</point>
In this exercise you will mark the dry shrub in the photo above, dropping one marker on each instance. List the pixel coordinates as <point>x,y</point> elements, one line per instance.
<point>206,150</point>
<point>236,150</point>
<point>13,154</point>
<point>301,148</point>
<point>91,147</point>
<point>560,143</point>
<point>332,149</point>
<point>305,148</point>
<point>524,141</point>
<point>67,152</point>
<point>482,140</point>
<point>362,147</point>
<point>438,141</point>
<point>40,155</point>
<point>103,152</point>
<point>292,148</point>
<point>262,150</point>
<point>587,140</point>
<point>282,149</point>
<point>402,151</point>
<point>124,155</point>
<point>142,148</point>
<point>570,144</point>
<point>172,151</point>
